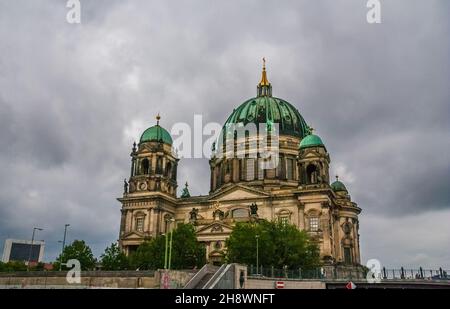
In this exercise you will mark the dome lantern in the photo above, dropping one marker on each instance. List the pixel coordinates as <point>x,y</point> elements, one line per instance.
<point>264,87</point>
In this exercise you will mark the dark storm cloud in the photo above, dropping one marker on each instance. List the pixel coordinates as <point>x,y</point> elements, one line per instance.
<point>73,98</point>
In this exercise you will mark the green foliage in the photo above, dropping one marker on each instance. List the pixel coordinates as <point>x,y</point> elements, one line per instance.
<point>114,259</point>
<point>149,255</point>
<point>80,251</point>
<point>187,252</point>
<point>279,245</point>
<point>13,266</point>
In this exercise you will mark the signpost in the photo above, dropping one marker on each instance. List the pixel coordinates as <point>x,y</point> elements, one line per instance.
<point>279,284</point>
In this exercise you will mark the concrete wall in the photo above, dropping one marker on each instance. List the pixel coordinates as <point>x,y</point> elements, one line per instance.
<point>288,284</point>
<point>58,280</point>
<point>176,279</point>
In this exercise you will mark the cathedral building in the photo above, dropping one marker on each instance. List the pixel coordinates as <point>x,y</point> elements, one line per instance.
<point>298,190</point>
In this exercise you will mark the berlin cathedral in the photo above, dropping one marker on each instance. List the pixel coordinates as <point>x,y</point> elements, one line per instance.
<point>296,191</point>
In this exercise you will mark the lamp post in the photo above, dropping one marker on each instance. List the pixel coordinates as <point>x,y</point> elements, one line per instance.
<point>165,253</point>
<point>166,248</point>
<point>170,243</point>
<point>257,253</point>
<point>63,245</point>
<point>31,246</point>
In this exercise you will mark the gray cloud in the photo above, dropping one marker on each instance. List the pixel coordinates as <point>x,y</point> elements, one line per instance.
<point>73,98</point>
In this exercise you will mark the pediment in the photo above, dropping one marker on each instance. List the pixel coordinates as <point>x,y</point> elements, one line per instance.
<point>133,235</point>
<point>214,228</point>
<point>238,192</point>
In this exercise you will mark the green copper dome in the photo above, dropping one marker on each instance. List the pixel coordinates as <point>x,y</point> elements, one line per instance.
<point>311,141</point>
<point>338,186</point>
<point>156,134</point>
<point>267,109</point>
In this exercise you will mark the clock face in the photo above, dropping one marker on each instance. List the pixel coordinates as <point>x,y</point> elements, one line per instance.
<point>143,186</point>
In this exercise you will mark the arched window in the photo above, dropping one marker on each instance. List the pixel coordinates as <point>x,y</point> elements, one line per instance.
<point>347,255</point>
<point>145,167</point>
<point>312,173</point>
<point>284,217</point>
<point>290,169</point>
<point>281,169</point>
<point>174,172</point>
<point>228,167</point>
<point>159,167</point>
<point>240,213</point>
<point>168,169</point>
<point>139,222</point>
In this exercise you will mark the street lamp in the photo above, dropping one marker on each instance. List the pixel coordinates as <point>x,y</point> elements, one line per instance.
<point>63,245</point>
<point>170,244</point>
<point>31,247</point>
<point>168,248</point>
<point>257,253</point>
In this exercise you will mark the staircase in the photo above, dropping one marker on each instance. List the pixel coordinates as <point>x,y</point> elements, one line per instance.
<point>202,277</point>
<point>213,277</point>
<point>201,284</point>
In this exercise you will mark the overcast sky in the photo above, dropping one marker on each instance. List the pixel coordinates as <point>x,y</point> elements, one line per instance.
<point>74,97</point>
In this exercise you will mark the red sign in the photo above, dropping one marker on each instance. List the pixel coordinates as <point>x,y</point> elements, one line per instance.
<point>350,286</point>
<point>279,285</point>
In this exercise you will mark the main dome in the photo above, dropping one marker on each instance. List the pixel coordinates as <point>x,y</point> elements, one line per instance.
<point>267,109</point>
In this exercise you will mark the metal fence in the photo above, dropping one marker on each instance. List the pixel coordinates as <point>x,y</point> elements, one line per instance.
<point>299,273</point>
<point>348,272</point>
<point>419,273</point>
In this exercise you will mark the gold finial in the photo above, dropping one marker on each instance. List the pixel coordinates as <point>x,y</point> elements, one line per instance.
<point>264,81</point>
<point>158,117</point>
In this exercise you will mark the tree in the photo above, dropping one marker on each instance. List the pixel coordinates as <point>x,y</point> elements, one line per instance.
<point>80,251</point>
<point>280,245</point>
<point>113,258</point>
<point>149,255</point>
<point>187,252</point>
<point>13,266</point>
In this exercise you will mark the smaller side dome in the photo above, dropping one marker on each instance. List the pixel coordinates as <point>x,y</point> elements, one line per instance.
<point>156,133</point>
<point>338,186</point>
<point>311,140</point>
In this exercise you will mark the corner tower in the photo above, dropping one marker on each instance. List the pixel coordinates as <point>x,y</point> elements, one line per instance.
<point>149,197</point>
<point>153,163</point>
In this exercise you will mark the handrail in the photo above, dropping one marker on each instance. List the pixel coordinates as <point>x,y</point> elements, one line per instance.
<point>218,272</point>
<point>197,277</point>
<point>219,276</point>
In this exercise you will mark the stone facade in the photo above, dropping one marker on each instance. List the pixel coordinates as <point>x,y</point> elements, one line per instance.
<point>296,191</point>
